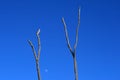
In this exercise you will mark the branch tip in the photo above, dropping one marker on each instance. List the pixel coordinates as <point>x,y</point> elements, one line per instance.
<point>38,32</point>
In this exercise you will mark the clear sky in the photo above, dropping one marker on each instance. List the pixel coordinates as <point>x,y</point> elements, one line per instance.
<point>98,50</point>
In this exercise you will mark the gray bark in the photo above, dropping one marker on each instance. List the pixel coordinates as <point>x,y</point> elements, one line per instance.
<point>37,57</point>
<point>73,51</point>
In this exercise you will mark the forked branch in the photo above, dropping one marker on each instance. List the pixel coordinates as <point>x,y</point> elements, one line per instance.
<point>73,51</point>
<point>37,57</point>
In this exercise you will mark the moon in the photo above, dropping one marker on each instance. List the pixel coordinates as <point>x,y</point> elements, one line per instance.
<point>46,70</point>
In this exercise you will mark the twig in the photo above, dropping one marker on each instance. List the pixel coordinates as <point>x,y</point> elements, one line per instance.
<point>39,47</point>
<point>34,52</point>
<point>37,57</point>
<point>76,41</point>
<point>73,52</point>
<point>67,38</point>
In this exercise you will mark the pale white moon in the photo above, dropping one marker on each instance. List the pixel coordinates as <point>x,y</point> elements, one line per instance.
<point>46,70</point>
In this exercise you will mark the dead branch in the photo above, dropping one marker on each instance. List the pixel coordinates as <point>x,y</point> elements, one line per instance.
<point>35,55</point>
<point>76,41</point>
<point>34,52</point>
<point>39,47</point>
<point>73,51</point>
<point>67,38</point>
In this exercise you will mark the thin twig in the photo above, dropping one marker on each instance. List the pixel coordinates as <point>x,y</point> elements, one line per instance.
<point>36,56</point>
<point>66,34</point>
<point>75,68</point>
<point>33,49</point>
<point>76,40</point>
<point>75,45</point>
<point>38,69</point>
<point>39,47</point>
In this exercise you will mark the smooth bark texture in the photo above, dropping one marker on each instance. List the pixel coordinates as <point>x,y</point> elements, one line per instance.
<point>73,51</point>
<point>37,57</point>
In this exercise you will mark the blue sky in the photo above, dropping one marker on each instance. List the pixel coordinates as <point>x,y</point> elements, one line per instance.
<point>98,50</point>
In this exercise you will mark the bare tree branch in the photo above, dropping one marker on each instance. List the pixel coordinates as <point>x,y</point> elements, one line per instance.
<point>38,69</point>
<point>66,34</point>
<point>75,45</point>
<point>75,68</point>
<point>39,47</point>
<point>33,49</point>
<point>76,40</point>
<point>36,56</point>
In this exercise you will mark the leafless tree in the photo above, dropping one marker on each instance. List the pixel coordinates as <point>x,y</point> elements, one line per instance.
<point>37,57</point>
<point>73,51</point>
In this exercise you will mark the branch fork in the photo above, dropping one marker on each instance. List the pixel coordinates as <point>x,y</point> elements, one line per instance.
<point>37,57</point>
<point>73,51</point>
